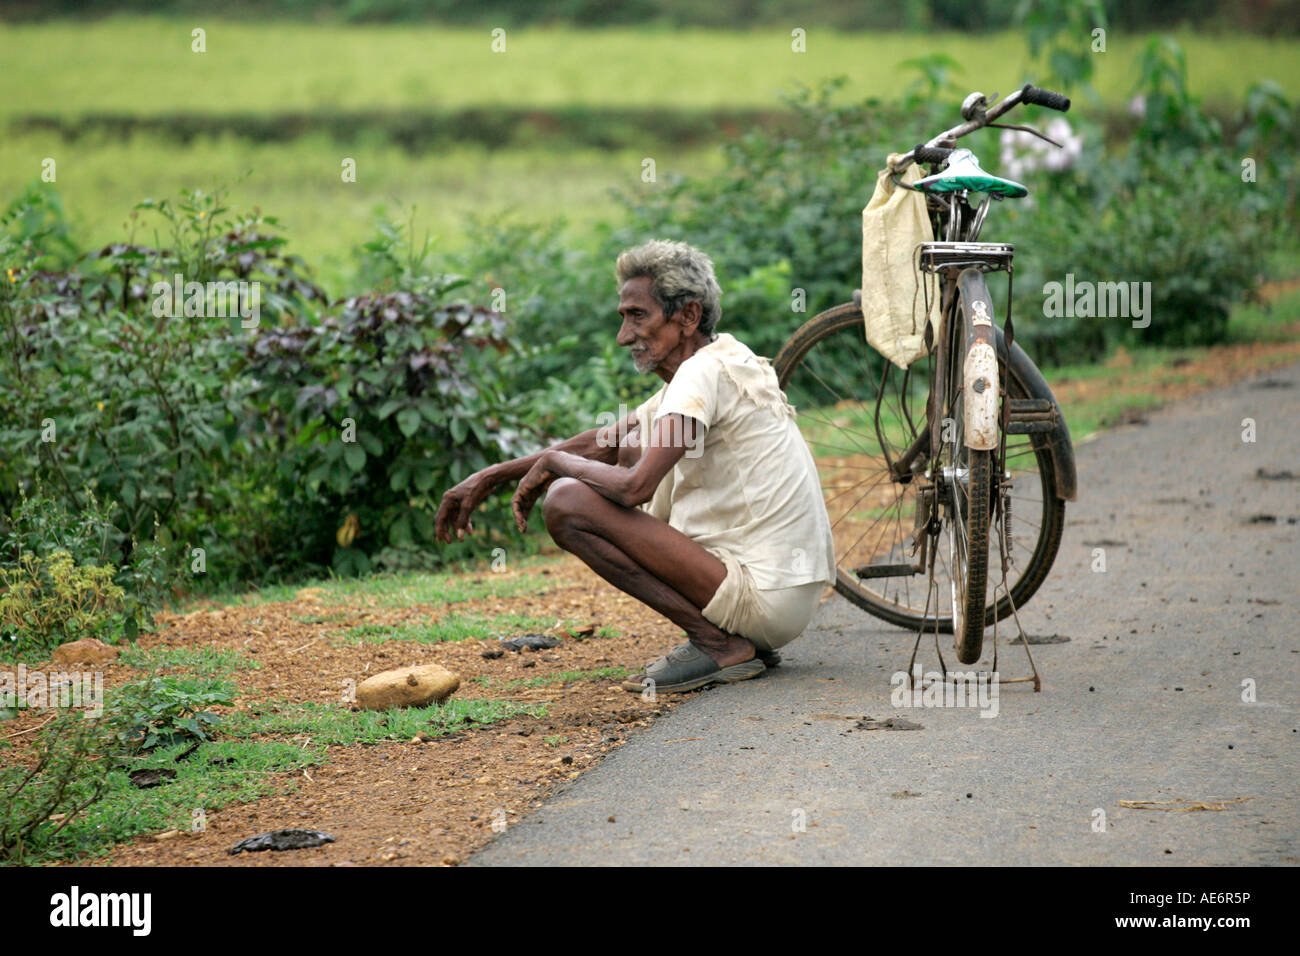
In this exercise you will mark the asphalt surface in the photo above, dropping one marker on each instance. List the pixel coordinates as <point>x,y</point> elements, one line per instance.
<point>1144,702</point>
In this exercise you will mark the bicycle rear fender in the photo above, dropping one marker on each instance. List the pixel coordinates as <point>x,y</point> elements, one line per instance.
<point>1023,370</point>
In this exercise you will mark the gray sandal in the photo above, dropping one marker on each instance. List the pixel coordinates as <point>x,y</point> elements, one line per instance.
<point>685,668</point>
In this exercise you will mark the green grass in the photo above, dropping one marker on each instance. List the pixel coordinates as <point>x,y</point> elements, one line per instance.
<point>204,661</point>
<point>218,774</point>
<point>453,627</point>
<point>336,725</point>
<point>1265,323</point>
<point>403,590</point>
<point>567,677</point>
<point>141,65</point>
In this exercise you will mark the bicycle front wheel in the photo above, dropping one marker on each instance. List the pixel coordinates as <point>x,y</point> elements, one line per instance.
<point>963,480</point>
<point>858,412</point>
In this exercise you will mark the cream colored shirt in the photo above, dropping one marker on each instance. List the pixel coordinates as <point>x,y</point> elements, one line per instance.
<point>751,486</point>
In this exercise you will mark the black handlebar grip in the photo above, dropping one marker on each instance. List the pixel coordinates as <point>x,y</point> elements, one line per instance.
<point>930,154</point>
<point>1038,97</point>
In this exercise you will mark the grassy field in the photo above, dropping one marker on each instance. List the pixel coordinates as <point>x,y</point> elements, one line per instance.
<point>300,183</point>
<point>143,68</point>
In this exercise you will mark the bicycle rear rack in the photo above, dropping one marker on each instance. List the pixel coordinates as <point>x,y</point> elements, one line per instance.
<point>985,256</point>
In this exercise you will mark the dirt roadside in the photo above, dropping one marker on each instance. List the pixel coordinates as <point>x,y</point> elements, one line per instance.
<point>433,803</point>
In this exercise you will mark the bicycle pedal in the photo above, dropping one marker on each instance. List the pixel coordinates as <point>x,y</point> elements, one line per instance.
<point>886,571</point>
<point>1030,416</point>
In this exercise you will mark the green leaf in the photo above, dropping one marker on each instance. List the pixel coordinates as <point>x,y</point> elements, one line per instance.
<point>430,410</point>
<point>354,455</point>
<point>190,724</point>
<point>425,478</point>
<point>408,420</point>
<point>340,478</point>
<point>399,533</point>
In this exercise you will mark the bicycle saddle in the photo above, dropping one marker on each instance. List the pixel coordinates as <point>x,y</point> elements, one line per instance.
<point>964,172</point>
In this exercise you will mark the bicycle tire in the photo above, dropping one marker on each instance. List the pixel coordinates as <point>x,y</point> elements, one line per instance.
<point>968,519</point>
<point>833,331</point>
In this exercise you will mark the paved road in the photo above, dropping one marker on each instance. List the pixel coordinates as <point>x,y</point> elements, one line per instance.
<point>1143,703</point>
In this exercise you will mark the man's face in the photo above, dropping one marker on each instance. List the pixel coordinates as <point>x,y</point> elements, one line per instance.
<point>646,332</point>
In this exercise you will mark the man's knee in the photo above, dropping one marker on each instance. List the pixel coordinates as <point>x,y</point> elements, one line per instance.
<point>565,498</point>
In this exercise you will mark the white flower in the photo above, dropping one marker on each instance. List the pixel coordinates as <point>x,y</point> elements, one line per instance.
<point>1023,152</point>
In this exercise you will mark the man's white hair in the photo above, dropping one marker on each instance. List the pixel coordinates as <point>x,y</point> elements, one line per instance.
<point>679,274</point>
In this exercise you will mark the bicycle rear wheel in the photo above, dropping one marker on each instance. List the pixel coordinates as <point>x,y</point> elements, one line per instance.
<point>838,382</point>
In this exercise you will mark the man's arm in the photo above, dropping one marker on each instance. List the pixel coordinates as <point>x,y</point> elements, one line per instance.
<point>596,444</point>
<point>629,487</point>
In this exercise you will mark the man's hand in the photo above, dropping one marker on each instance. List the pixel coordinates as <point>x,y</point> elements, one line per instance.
<point>457,505</point>
<point>531,487</point>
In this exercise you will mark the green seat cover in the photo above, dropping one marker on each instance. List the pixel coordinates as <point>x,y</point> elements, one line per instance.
<point>964,172</point>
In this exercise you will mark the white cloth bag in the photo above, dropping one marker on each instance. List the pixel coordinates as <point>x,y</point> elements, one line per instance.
<point>894,224</point>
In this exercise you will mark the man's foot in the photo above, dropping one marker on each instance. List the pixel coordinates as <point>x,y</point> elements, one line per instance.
<point>687,667</point>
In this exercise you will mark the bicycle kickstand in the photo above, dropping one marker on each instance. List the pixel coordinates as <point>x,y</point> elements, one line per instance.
<point>1024,638</point>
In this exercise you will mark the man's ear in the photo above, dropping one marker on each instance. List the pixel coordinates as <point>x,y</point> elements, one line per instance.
<point>689,316</point>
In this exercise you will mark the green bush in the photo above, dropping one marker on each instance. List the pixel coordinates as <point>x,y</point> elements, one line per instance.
<point>50,600</point>
<point>376,407</point>
<point>1172,208</point>
<point>101,389</point>
<point>68,773</point>
<point>76,761</point>
<point>62,584</point>
<point>160,711</point>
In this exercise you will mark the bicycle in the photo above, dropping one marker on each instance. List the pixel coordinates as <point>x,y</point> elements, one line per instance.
<point>961,462</point>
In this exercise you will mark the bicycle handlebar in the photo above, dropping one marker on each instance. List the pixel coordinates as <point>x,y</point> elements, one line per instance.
<point>1038,97</point>
<point>929,152</point>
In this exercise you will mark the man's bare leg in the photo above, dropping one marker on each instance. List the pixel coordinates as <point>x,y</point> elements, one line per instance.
<point>646,558</point>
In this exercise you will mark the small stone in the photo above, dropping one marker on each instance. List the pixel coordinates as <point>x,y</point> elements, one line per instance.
<point>534,642</point>
<point>610,820</point>
<point>291,839</point>
<point>450,860</point>
<point>407,687</point>
<point>88,650</point>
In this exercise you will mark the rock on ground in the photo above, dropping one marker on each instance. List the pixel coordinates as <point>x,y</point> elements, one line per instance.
<point>407,687</point>
<point>88,650</point>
